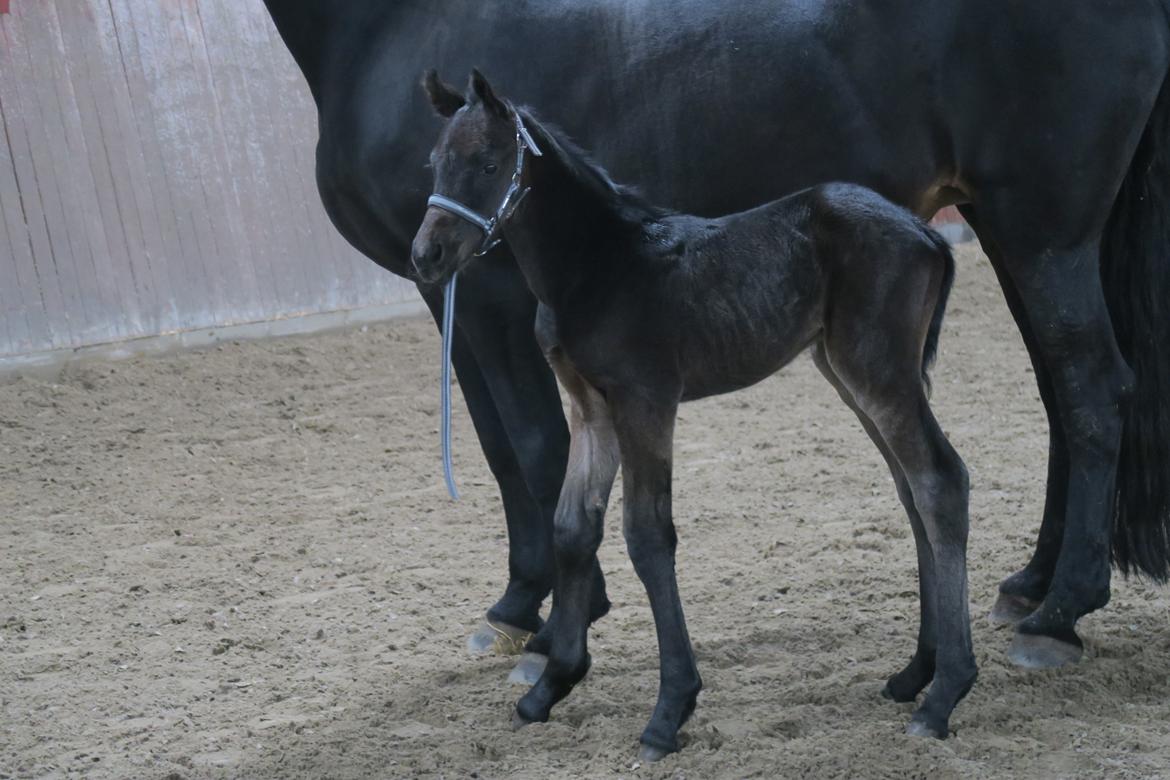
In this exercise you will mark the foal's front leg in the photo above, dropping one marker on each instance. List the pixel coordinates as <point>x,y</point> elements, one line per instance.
<point>577,531</point>
<point>645,431</point>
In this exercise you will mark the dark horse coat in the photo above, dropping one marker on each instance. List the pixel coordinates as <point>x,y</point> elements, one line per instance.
<point>1041,119</point>
<point>642,309</point>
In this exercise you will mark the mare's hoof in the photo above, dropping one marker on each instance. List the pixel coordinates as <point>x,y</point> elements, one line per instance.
<point>1037,651</point>
<point>497,638</point>
<point>519,721</point>
<point>648,754</point>
<point>528,669</point>
<point>920,728</point>
<point>1010,609</point>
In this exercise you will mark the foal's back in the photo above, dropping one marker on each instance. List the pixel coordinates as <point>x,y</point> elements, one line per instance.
<point>742,295</point>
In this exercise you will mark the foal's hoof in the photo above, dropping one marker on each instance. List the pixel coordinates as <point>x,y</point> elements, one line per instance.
<point>1037,651</point>
<point>922,728</point>
<point>497,638</point>
<point>1010,609</point>
<point>528,669</point>
<point>648,754</point>
<point>895,692</point>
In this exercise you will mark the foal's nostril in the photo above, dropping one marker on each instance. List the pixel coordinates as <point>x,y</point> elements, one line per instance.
<point>426,260</point>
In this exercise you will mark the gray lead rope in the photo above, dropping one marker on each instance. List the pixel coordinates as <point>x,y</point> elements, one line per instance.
<point>490,227</point>
<point>445,389</point>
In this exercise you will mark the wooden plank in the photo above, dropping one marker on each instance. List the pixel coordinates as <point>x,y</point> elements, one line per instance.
<point>182,96</point>
<point>292,109</point>
<point>156,173</point>
<point>235,71</point>
<point>226,268</point>
<point>20,293</point>
<point>170,258</point>
<point>234,110</point>
<point>86,233</point>
<point>294,282</point>
<point>114,259</point>
<point>127,167</point>
<point>161,90</point>
<point>24,221</point>
<point>30,133</point>
<point>13,317</point>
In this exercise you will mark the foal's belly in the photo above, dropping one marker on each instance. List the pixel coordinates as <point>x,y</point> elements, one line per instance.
<point>699,384</point>
<point>720,360</point>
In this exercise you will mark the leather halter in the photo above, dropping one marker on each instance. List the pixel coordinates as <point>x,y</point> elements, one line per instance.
<point>515,193</point>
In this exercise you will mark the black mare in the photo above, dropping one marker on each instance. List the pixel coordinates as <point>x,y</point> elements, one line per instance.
<point>642,309</point>
<point>1041,119</point>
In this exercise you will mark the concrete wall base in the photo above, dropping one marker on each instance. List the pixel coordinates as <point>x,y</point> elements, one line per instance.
<point>51,363</point>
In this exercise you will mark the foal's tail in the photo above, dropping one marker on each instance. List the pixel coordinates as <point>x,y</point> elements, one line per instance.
<point>942,250</point>
<point>1135,273</point>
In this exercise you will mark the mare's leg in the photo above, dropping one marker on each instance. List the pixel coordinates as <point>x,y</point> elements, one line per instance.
<point>1060,292</point>
<point>577,531</point>
<point>1023,591</point>
<point>530,567</point>
<point>883,377</point>
<point>514,404</point>
<point>645,430</point>
<point>908,683</point>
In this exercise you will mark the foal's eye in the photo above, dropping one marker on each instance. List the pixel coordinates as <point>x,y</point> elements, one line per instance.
<point>490,168</point>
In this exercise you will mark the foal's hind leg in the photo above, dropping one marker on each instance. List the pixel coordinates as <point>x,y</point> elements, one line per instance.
<point>645,430</point>
<point>888,390</point>
<point>908,683</point>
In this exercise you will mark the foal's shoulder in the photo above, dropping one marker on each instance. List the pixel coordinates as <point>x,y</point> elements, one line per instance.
<point>670,238</point>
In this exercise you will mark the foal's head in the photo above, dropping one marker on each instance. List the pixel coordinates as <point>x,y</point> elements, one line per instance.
<point>474,162</point>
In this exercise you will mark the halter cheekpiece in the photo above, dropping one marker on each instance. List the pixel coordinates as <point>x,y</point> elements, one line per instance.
<point>512,197</point>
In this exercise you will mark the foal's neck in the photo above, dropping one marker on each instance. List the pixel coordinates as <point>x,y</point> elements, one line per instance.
<point>573,224</point>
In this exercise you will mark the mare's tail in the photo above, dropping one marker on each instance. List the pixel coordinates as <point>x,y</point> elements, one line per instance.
<point>1135,273</point>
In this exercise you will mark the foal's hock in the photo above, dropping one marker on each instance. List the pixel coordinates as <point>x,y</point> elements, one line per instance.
<point>642,309</point>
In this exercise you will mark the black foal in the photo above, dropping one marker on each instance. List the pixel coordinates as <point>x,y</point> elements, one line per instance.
<point>642,309</point>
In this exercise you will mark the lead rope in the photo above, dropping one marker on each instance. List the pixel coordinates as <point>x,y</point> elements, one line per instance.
<point>445,389</point>
<point>489,227</point>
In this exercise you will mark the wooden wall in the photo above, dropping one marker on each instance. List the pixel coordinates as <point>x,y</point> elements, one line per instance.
<point>156,175</point>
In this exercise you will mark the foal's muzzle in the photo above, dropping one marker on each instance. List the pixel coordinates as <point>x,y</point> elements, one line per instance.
<point>427,260</point>
<point>442,244</point>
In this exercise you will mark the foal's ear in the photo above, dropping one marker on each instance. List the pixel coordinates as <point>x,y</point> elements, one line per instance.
<point>445,99</point>
<point>479,87</point>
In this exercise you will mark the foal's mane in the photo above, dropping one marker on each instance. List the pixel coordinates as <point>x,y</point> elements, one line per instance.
<point>625,202</point>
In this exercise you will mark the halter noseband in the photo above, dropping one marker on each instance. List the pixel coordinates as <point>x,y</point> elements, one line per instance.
<point>512,197</point>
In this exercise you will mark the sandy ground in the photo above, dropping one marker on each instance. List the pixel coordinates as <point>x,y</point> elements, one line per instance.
<point>242,563</point>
